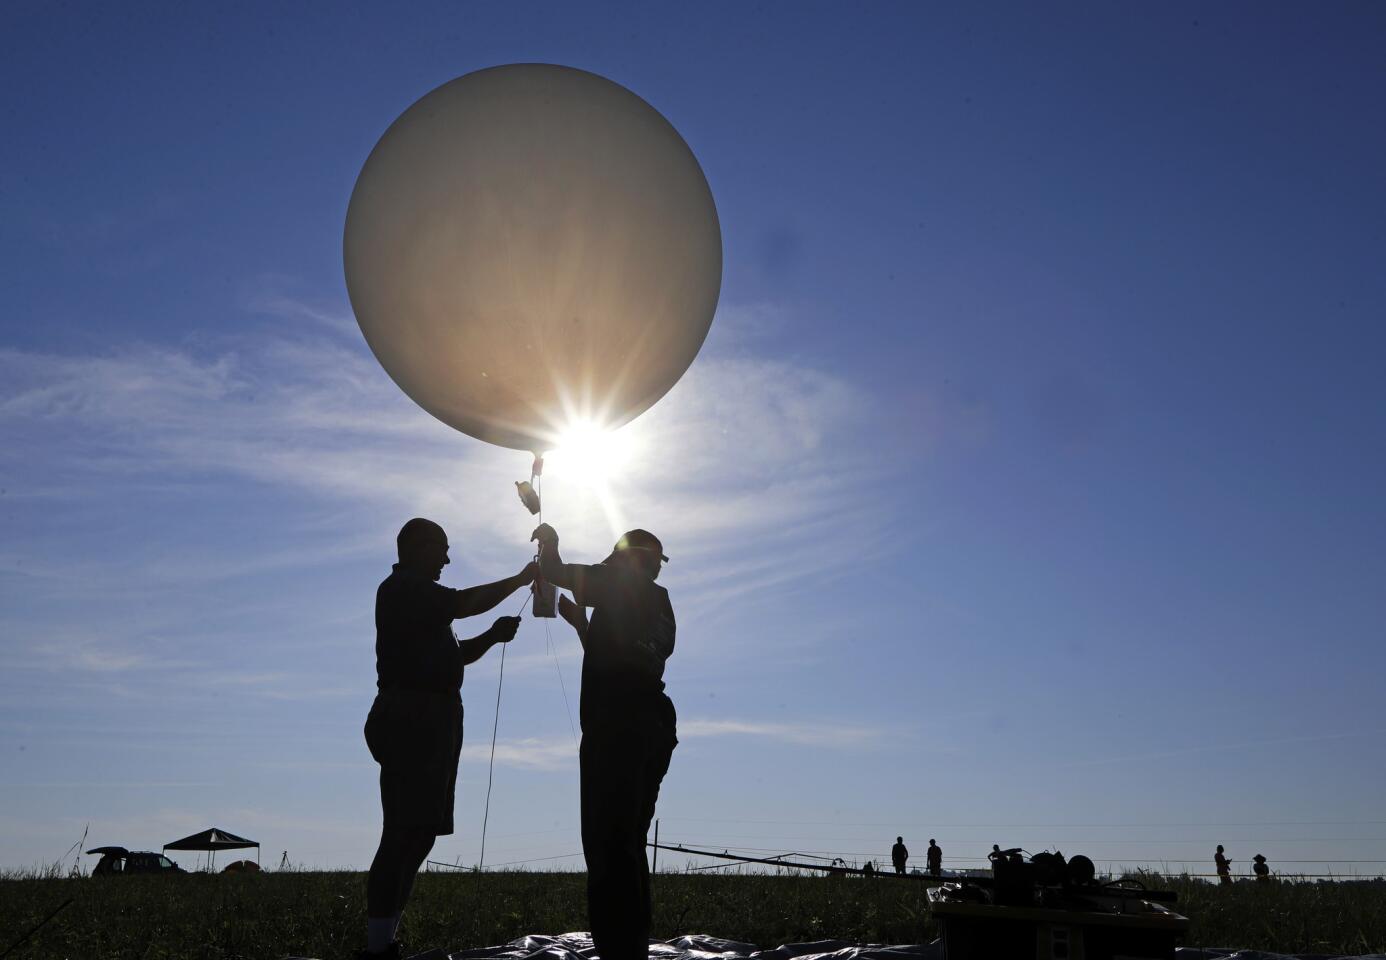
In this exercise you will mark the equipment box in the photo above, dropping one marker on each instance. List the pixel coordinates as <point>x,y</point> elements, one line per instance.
<point>1122,930</point>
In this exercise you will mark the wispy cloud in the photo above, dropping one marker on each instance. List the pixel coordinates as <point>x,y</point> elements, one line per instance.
<point>846,736</point>
<point>136,629</point>
<point>529,753</point>
<point>741,445</point>
<point>560,752</point>
<point>747,468</point>
<point>283,307</point>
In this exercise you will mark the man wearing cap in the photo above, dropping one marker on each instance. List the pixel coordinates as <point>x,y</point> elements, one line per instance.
<point>414,729</point>
<point>628,725</point>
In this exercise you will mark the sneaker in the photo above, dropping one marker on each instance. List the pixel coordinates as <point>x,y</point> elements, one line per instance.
<point>393,951</point>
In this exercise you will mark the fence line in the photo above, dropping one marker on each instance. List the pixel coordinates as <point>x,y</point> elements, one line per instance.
<point>884,854</point>
<point>508,863</point>
<point>981,862</point>
<point>1026,826</point>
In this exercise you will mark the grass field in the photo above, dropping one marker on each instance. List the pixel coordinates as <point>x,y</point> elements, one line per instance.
<point>323,914</point>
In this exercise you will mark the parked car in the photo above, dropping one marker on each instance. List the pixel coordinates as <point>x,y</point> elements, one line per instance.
<point>116,861</point>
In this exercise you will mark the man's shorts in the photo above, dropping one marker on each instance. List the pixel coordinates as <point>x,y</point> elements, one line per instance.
<point>416,737</point>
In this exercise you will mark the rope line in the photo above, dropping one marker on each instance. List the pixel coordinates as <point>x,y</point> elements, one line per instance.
<point>553,651</point>
<point>491,764</point>
<point>500,683</point>
<point>36,927</point>
<point>491,767</point>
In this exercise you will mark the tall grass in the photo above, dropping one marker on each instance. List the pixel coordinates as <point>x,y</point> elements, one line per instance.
<point>219,916</point>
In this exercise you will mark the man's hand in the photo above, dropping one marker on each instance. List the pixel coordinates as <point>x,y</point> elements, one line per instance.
<point>503,630</point>
<point>551,566</point>
<point>530,573</point>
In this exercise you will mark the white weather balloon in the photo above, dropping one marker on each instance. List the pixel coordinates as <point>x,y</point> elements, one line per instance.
<point>532,245</point>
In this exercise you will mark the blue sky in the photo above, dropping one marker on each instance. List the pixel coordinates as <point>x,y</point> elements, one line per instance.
<point>1027,489</point>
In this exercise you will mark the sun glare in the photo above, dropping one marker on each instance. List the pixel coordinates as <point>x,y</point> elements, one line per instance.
<point>591,453</point>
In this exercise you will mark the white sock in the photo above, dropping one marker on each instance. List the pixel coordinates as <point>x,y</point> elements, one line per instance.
<point>380,931</point>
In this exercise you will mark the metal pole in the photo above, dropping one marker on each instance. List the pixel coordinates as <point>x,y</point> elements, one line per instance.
<point>655,856</point>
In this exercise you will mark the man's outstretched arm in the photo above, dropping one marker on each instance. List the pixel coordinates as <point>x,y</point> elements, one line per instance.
<point>475,600</point>
<point>587,582</point>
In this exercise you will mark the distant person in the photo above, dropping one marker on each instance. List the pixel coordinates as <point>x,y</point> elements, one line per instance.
<point>628,725</point>
<point>998,855</point>
<point>870,869</point>
<point>898,855</point>
<point>1261,869</point>
<point>1224,866</point>
<point>933,857</point>
<point>414,729</point>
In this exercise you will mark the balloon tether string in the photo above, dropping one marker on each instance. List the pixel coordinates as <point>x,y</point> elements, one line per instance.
<point>491,766</point>
<point>495,723</point>
<point>537,477</point>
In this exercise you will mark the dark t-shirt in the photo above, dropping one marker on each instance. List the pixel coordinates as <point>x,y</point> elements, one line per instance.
<point>630,637</point>
<point>415,647</point>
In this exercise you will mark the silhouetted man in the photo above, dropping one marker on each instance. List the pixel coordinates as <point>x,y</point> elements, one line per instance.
<point>1261,869</point>
<point>414,729</point>
<point>628,725</point>
<point>1000,856</point>
<point>933,857</point>
<point>898,855</point>
<point>1223,865</point>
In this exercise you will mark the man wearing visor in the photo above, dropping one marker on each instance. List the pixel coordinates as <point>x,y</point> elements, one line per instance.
<point>628,725</point>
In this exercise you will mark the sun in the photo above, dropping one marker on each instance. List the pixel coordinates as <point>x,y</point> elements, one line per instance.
<point>591,454</point>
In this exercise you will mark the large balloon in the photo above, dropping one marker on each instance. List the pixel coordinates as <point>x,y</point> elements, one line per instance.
<point>529,246</point>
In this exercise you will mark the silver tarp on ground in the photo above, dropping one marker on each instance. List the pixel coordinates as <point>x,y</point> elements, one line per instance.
<point>1222,953</point>
<point>578,946</point>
